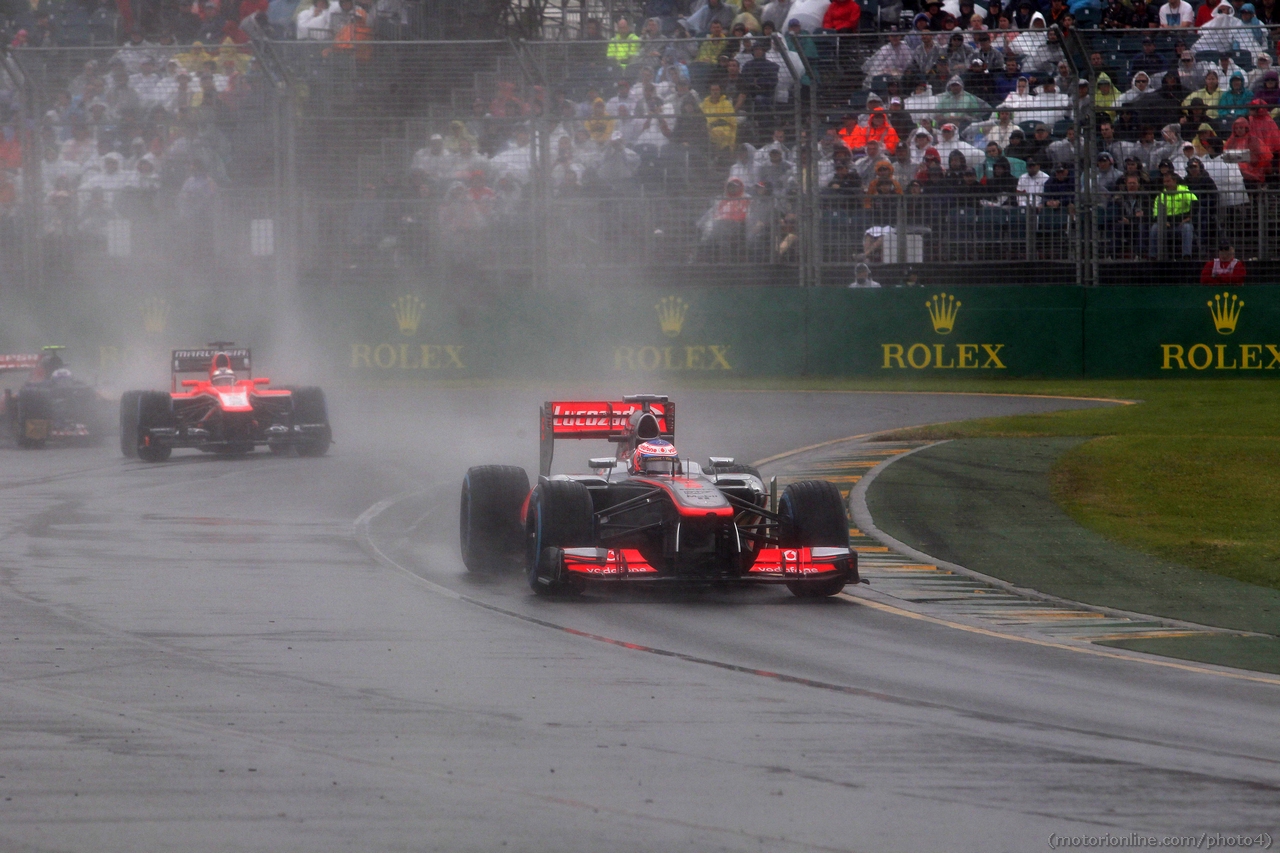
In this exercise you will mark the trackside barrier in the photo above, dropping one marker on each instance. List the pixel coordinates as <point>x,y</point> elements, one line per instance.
<point>630,334</point>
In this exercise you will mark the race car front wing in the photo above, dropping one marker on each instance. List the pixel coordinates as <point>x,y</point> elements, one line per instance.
<point>772,565</point>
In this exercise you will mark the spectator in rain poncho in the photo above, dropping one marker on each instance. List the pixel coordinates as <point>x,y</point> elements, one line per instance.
<point>1106,97</point>
<point>1234,102</point>
<point>1269,90</point>
<point>1257,165</point>
<point>950,141</point>
<point>722,122</point>
<point>921,141</point>
<point>1261,65</point>
<point>1254,35</point>
<point>1223,31</point>
<point>1021,101</point>
<point>1139,86</point>
<point>958,106</point>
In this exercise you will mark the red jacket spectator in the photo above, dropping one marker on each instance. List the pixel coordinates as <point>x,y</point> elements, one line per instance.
<point>1224,269</point>
<point>1262,125</point>
<point>842,16</point>
<point>878,128</point>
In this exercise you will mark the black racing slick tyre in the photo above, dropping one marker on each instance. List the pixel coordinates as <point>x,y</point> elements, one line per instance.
<point>31,427</point>
<point>560,516</point>
<point>155,410</point>
<point>489,528</point>
<point>813,515</point>
<point>738,469</point>
<point>129,424</point>
<point>310,410</point>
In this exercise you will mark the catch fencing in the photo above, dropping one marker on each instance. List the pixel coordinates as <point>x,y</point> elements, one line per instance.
<point>318,161</point>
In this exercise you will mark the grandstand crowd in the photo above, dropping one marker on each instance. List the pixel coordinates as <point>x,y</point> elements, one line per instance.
<point>987,131</point>
<point>966,124</point>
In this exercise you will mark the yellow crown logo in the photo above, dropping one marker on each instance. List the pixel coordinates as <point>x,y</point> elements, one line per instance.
<point>942,311</point>
<point>155,315</point>
<point>1225,309</point>
<point>408,310</point>
<point>671,313</point>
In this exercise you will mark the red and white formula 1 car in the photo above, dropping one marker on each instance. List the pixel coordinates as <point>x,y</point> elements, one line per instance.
<point>647,515</point>
<point>228,411</point>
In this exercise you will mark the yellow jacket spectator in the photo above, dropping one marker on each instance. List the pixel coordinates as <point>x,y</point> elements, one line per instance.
<point>598,124</point>
<point>711,47</point>
<point>722,121</point>
<point>1176,201</point>
<point>625,45</point>
<point>1210,94</point>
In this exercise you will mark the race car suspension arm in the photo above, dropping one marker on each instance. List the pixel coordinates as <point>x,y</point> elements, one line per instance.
<point>631,504</point>
<point>752,508</point>
<point>747,533</point>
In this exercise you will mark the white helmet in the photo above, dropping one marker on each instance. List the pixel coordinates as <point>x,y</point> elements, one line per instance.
<point>223,376</point>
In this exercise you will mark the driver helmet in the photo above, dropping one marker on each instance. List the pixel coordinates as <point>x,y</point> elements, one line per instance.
<point>62,373</point>
<point>655,457</point>
<point>223,376</point>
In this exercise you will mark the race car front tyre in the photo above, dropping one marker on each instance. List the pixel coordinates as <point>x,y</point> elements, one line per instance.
<point>549,579</point>
<point>734,468</point>
<point>560,516</point>
<point>813,515</point>
<point>309,409</point>
<point>31,427</point>
<point>489,527</point>
<point>155,410</point>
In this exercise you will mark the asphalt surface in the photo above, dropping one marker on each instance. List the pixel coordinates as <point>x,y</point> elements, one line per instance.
<point>203,655</point>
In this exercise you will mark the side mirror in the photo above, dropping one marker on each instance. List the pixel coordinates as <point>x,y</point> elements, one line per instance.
<point>603,462</point>
<point>714,462</point>
<point>190,383</point>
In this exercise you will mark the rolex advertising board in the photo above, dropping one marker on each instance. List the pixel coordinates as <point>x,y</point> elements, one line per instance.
<point>631,334</point>
<point>762,331</point>
<point>972,331</point>
<point>1183,332</point>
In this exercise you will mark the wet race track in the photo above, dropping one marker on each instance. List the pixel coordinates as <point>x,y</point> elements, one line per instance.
<point>278,654</point>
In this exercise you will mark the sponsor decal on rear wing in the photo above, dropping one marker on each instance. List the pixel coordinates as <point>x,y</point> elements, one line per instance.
<point>596,419</point>
<point>200,360</point>
<point>20,361</point>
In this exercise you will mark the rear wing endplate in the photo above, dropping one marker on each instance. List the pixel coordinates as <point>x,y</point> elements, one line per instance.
<point>607,420</point>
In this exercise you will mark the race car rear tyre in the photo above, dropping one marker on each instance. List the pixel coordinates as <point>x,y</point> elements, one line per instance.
<point>813,515</point>
<point>155,409</point>
<point>560,516</point>
<point>34,416</point>
<point>309,408</point>
<point>129,424</point>
<point>489,528</point>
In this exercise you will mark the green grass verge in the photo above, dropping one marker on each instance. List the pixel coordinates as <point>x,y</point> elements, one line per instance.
<point>1257,653</point>
<point>1191,474</point>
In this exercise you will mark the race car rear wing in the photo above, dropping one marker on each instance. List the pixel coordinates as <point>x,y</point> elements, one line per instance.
<point>602,420</point>
<point>19,361</point>
<point>201,360</point>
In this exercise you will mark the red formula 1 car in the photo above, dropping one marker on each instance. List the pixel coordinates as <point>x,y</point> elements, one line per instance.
<point>647,515</point>
<point>229,411</point>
